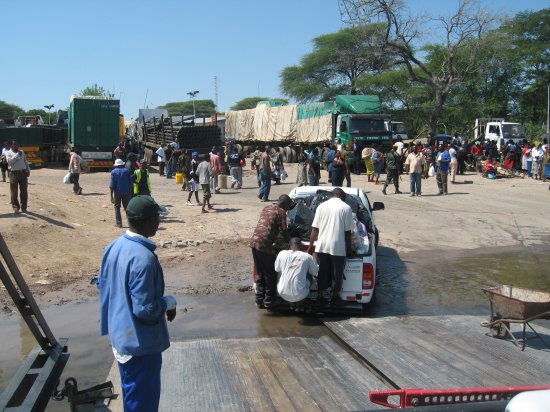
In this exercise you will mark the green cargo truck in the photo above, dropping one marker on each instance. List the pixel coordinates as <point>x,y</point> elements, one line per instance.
<point>347,118</point>
<point>94,129</point>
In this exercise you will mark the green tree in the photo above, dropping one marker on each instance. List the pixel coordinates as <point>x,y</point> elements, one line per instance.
<point>335,65</point>
<point>251,102</point>
<point>9,111</point>
<point>448,62</point>
<point>95,90</point>
<point>203,108</point>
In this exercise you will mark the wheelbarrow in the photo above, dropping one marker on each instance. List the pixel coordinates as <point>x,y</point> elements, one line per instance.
<point>510,304</point>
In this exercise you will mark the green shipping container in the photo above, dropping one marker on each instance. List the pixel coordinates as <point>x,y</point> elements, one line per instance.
<point>94,123</point>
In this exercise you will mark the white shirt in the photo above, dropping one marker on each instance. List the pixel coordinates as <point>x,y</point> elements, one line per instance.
<point>17,161</point>
<point>399,149</point>
<point>333,218</point>
<point>160,154</point>
<point>537,154</point>
<point>294,266</point>
<point>452,152</point>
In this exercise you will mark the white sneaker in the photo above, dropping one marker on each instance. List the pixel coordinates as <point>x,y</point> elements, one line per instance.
<point>190,204</point>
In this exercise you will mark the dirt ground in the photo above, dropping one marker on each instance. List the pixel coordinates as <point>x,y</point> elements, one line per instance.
<point>58,243</point>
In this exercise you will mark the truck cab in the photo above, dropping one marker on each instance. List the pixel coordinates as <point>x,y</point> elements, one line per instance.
<point>363,129</point>
<point>499,131</point>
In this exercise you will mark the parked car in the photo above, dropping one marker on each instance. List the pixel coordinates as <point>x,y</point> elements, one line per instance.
<point>359,278</point>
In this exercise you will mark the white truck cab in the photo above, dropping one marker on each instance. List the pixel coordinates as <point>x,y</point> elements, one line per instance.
<point>499,131</point>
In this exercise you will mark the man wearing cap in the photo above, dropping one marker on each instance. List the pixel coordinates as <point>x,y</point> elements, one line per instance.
<point>121,188</point>
<point>142,181</point>
<point>133,307</point>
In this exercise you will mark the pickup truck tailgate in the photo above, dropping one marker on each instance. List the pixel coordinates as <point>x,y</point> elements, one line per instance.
<point>352,283</point>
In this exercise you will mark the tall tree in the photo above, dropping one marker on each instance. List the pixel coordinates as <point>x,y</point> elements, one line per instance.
<point>336,63</point>
<point>96,90</point>
<point>9,111</point>
<point>452,60</point>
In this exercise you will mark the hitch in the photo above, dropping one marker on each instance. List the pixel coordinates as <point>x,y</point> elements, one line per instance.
<point>77,399</point>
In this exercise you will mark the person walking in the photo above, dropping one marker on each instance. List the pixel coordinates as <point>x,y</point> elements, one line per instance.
<point>330,240</point>
<point>415,162</point>
<point>366,155</point>
<point>377,161</point>
<point>234,159</point>
<point>120,186</point>
<point>454,163</point>
<point>19,172</point>
<point>161,157</point>
<point>338,169</point>
<point>301,177</point>
<point>168,155</point>
<point>133,307</point>
<point>193,180</point>
<point>314,169</point>
<point>75,168</point>
<point>265,175</point>
<point>216,165</point>
<point>393,165</point>
<point>142,181</point>
<point>442,161</point>
<point>348,162</point>
<point>4,161</point>
<point>204,172</point>
<point>271,225</point>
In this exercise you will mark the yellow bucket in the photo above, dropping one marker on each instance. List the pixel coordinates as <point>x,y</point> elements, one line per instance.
<point>179,178</point>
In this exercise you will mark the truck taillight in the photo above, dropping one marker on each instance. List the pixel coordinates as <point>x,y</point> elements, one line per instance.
<point>368,276</point>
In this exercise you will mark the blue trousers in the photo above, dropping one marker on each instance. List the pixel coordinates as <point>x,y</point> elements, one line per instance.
<point>416,183</point>
<point>265,188</point>
<point>140,381</point>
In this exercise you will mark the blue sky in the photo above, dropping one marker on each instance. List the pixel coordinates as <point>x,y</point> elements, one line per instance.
<point>163,49</point>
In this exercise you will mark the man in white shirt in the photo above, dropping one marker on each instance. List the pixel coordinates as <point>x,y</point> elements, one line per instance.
<point>161,158</point>
<point>297,270</point>
<point>331,228</point>
<point>19,172</point>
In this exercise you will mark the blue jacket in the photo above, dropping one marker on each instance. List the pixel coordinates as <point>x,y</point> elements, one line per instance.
<point>131,289</point>
<point>121,181</point>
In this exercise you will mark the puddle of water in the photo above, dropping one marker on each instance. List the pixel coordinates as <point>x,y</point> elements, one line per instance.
<point>452,282</point>
<point>417,284</point>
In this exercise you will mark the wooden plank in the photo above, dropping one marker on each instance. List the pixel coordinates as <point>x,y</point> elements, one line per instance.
<point>262,374</point>
<point>443,351</point>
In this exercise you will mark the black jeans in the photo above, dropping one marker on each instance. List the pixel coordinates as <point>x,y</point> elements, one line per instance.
<point>266,276</point>
<point>75,178</point>
<point>118,200</point>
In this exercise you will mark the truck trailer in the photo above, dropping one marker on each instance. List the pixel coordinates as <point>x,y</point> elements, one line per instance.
<point>94,129</point>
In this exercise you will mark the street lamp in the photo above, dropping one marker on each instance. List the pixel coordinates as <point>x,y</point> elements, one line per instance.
<point>49,107</point>
<point>192,95</point>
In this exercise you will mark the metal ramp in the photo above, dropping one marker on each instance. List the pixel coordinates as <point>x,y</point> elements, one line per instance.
<point>31,388</point>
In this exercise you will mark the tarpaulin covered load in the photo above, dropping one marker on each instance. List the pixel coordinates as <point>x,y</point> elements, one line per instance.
<point>358,104</point>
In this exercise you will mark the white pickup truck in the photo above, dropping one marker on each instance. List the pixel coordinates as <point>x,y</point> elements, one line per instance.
<point>359,276</point>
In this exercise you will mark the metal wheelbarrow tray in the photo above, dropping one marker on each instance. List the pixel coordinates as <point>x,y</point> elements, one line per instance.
<point>510,304</point>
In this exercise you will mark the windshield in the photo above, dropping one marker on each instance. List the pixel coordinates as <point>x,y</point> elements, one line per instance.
<point>367,126</point>
<point>513,131</point>
<point>398,128</point>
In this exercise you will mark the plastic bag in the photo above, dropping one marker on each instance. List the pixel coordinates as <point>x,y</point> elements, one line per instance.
<point>67,179</point>
<point>431,171</point>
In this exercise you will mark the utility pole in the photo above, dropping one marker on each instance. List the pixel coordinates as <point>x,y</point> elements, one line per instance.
<point>192,95</point>
<point>216,91</point>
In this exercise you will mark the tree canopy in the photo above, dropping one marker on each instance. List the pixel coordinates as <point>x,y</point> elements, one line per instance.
<point>10,111</point>
<point>203,108</point>
<point>336,63</point>
<point>96,90</point>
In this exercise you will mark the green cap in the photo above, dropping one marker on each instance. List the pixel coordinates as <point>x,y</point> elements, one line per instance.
<point>143,207</point>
